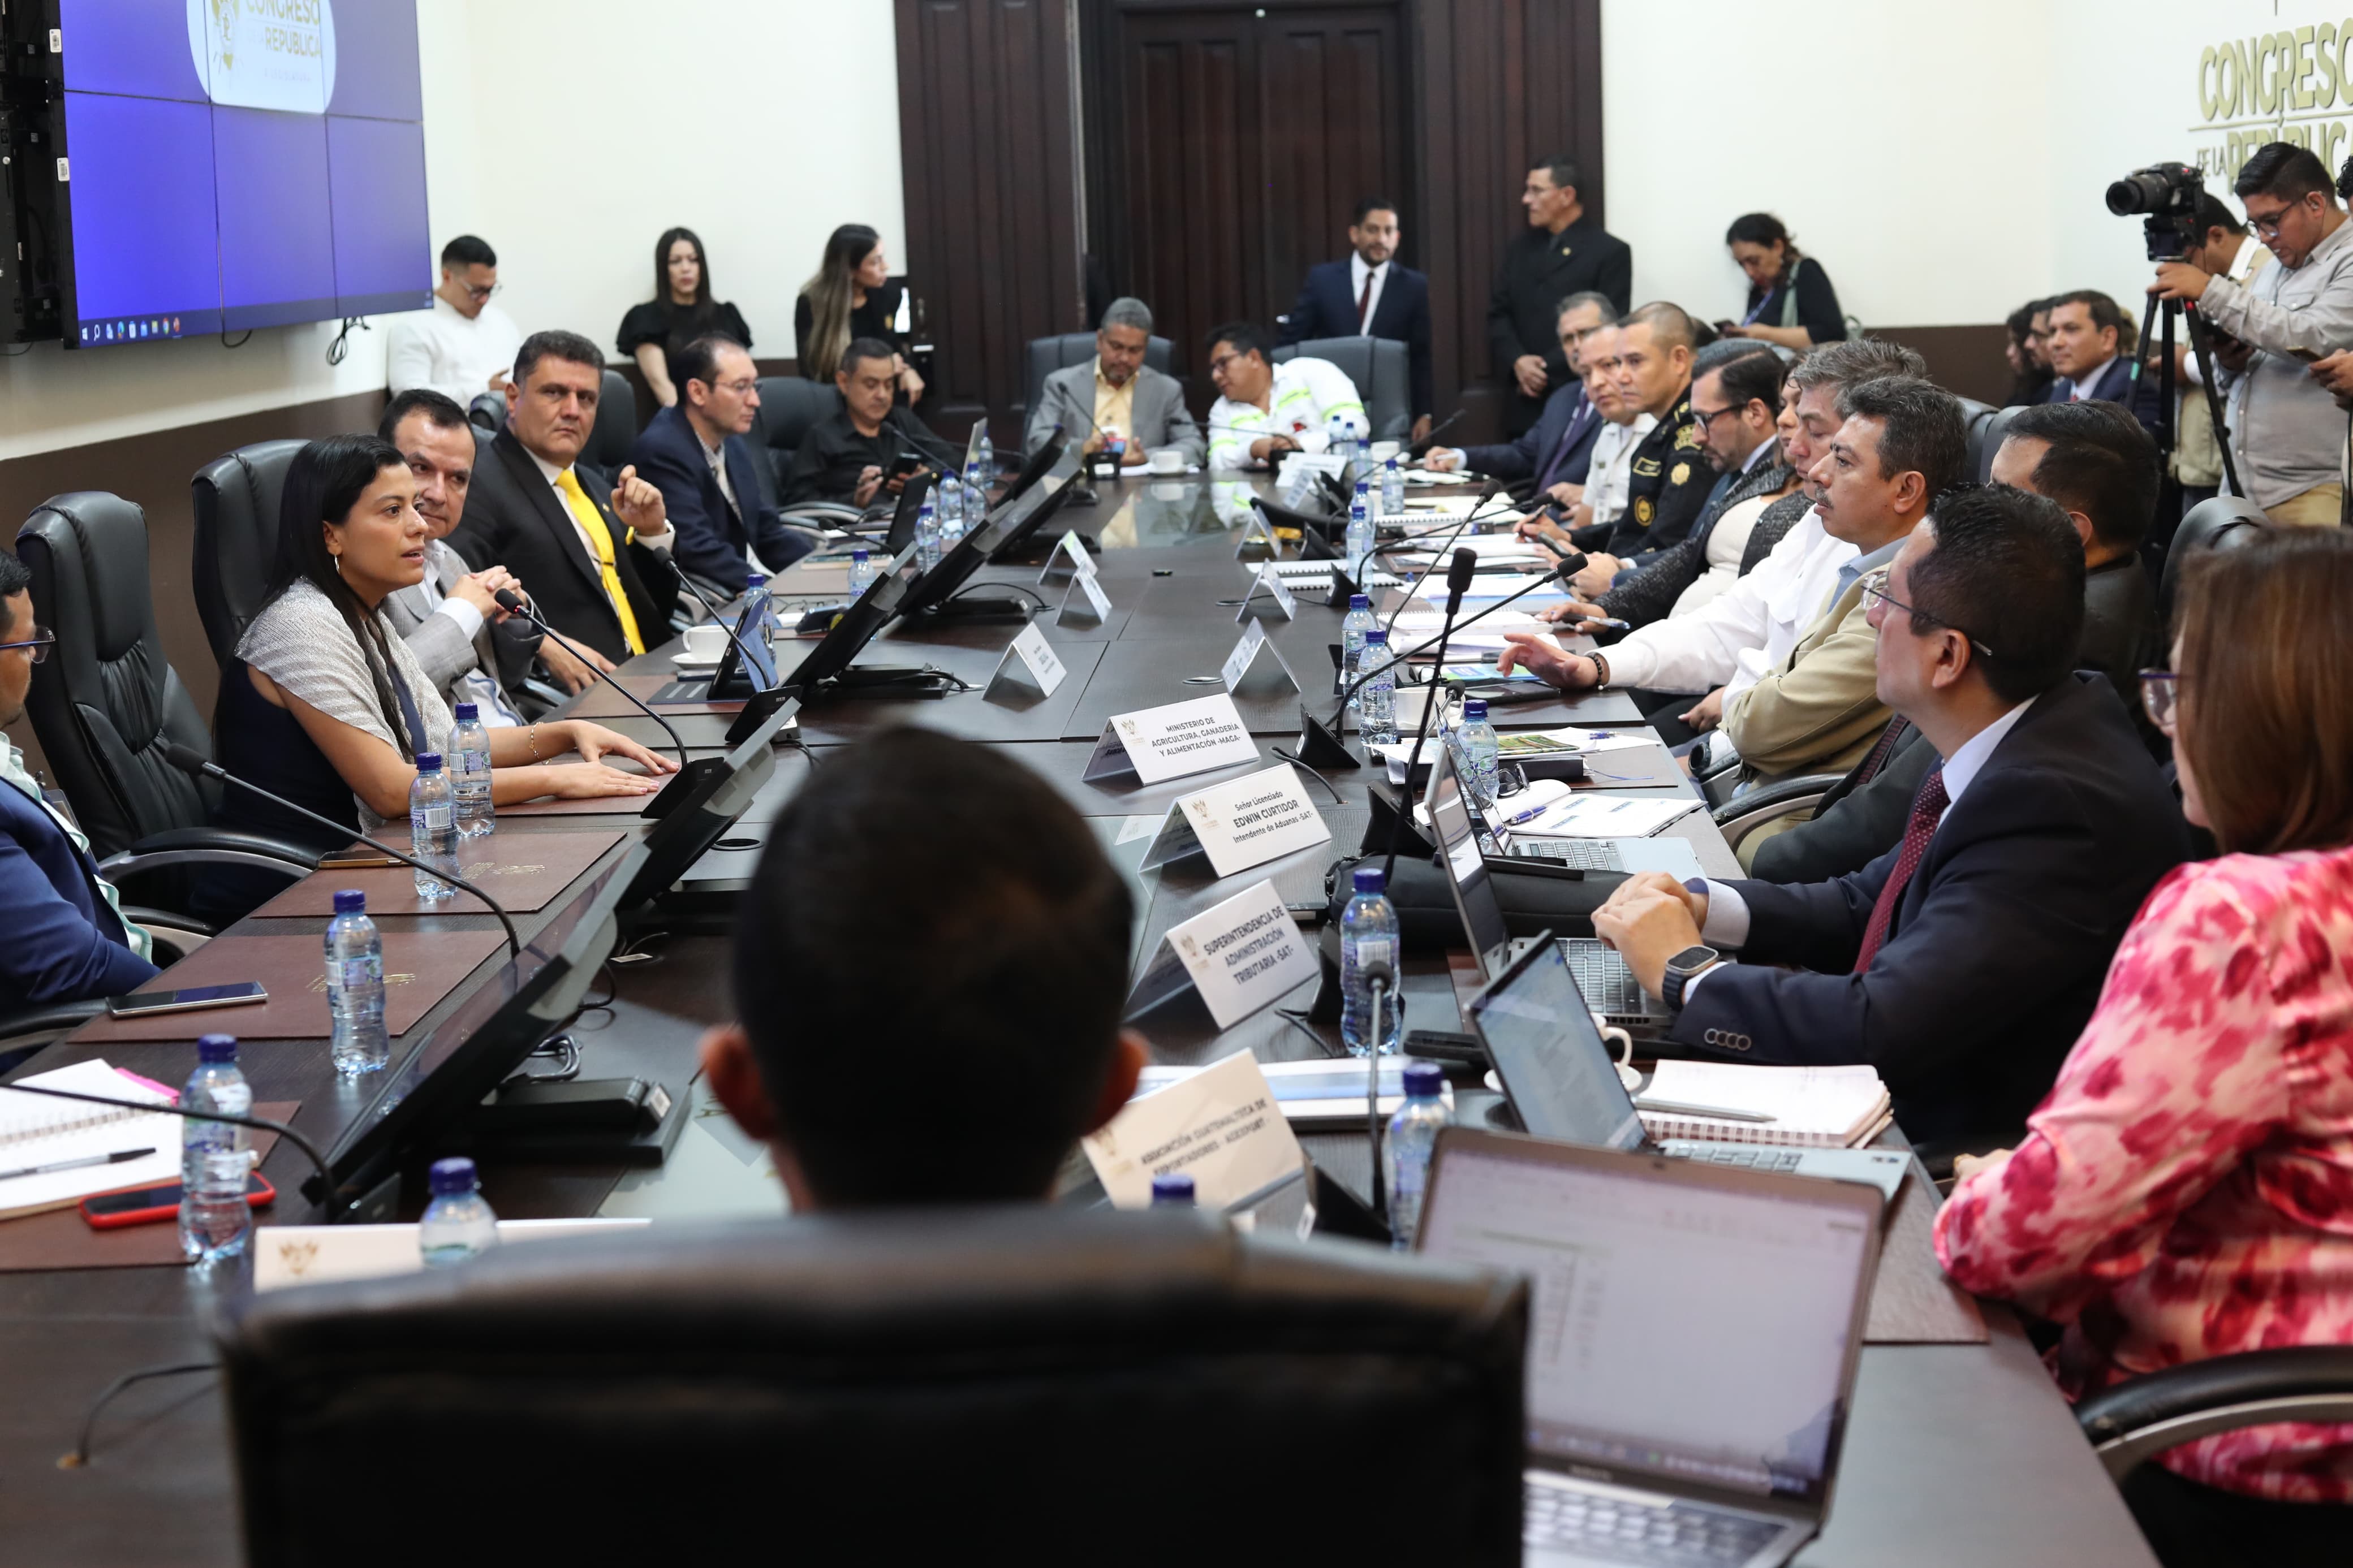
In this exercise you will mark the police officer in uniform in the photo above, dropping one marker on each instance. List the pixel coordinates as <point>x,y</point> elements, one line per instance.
<point>1671,477</point>
<point>1562,252</point>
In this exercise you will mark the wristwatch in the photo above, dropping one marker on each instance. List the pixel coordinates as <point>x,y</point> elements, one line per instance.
<point>1682,970</point>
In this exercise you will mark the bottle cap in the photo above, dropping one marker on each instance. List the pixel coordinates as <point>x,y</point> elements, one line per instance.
<point>453,1175</point>
<point>1424,1080</point>
<point>467,713</point>
<point>217,1048</point>
<point>350,902</point>
<point>1365,488</point>
<point>1378,635</point>
<point>754,581</point>
<point>1370,880</point>
<point>428,762</point>
<point>857,555</point>
<point>1474,708</point>
<point>1174,1188</point>
<point>1392,462</point>
<point>1359,602</point>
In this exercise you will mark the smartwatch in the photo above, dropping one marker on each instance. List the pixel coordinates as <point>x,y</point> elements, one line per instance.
<point>1682,969</point>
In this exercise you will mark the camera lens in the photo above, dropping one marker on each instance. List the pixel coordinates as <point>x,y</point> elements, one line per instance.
<point>2137,193</point>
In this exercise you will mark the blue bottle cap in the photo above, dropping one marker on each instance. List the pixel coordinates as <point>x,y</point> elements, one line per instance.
<point>453,1175</point>
<point>1359,602</point>
<point>217,1048</point>
<point>428,762</point>
<point>1378,635</point>
<point>467,713</point>
<point>1174,1188</point>
<point>754,581</point>
<point>857,555</point>
<point>1424,1080</point>
<point>1365,488</point>
<point>350,902</point>
<point>1370,880</point>
<point>1474,708</point>
<point>1392,462</point>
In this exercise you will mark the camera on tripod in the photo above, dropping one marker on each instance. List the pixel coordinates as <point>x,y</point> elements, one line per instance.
<point>2170,195</point>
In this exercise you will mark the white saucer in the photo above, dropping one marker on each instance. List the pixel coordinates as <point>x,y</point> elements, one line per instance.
<point>694,667</point>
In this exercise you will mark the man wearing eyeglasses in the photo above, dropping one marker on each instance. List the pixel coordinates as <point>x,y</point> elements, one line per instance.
<point>696,453</point>
<point>2285,329</point>
<point>67,938</point>
<point>464,346</point>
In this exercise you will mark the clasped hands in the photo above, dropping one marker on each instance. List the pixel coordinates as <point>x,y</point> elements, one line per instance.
<point>1649,919</point>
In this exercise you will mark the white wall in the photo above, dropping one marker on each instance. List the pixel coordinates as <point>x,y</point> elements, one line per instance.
<point>569,133</point>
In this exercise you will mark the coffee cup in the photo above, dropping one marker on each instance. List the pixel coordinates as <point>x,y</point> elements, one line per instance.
<point>705,643</point>
<point>1168,461</point>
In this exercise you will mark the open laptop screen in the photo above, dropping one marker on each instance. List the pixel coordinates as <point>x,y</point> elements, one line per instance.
<point>1555,1066</point>
<point>1466,868</point>
<point>1689,1323</point>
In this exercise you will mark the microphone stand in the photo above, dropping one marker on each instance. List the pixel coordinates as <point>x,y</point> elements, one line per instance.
<point>1417,450</point>
<point>1458,579</point>
<point>1424,575</point>
<point>760,705</point>
<point>1379,977</point>
<point>662,803</point>
<point>193,762</point>
<point>260,1123</point>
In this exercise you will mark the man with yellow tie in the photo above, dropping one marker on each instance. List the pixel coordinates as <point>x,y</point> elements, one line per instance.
<point>594,549</point>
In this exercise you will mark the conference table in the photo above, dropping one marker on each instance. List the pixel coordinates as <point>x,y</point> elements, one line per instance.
<point>1959,1450</point>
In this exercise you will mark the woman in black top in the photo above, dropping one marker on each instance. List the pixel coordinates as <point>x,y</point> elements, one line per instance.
<point>852,296</point>
<point>1791,300</point>
<point>681,312</point>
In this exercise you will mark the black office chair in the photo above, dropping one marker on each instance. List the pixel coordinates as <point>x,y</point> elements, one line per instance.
<point>1047,355</point>
<point>2218,522</point>
<point>488,413</point>
<point>790,407</point>
<point>1986,437</point>
<point>1799,795</point>
<point>900,1386</point>
<point>1978,416</point>
<point>616,430</point>
<point>106,700</point>
<point>237,498</point>
<point>1383,373</point>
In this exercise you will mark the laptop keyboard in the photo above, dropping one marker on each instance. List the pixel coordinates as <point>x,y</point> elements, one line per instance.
<point>1681,1534</point>
<point>1609,986</point>
<point>1748,1157</point>
<point>1581,854</point>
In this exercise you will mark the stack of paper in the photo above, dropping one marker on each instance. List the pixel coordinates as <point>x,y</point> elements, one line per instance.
<point>1822,1106</point>
<point>37,1131</point>
<point>1595,816</point>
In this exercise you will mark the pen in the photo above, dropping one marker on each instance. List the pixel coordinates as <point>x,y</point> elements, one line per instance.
<point>1677,1107</point>
<point>117,1158</point>
<point>1613,623</point>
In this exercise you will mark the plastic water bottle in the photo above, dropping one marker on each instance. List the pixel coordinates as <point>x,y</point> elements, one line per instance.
<point>758,619</point>
<point>1173,1190</point>
<point>433,825</point>
<point>1340,437</point>
<point>1479,753</point>
<point>1362,534</point>
<point>1376,698</point>
<point>861,572</point>
<point>975,491</point>
<point>1368,934</point>
<point>1392,489</point>
<point>1413,1133</point>
<point>951,504</point>
<point>469,777</point>
<point>355,987</point>
<point>457,1225</point>
<point>928,538</point>
<point>987,460</point>
<point>1360,619</point>
<point>214,1220</point>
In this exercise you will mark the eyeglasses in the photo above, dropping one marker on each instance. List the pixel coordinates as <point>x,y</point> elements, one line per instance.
<point>483,293</point>
<point>1875,591</point>
<point>1704,417</point>
<point>739,387</point>
<point>2160,697</point>
<point>40,642</point>
<point>1222,361</point>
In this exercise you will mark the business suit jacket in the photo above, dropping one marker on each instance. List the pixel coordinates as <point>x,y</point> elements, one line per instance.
<point>2000,941</point>
<point>710,538</point>
<point>1556,449</point>
<point>64,944</point>
<point>1158,401</point>
<point>515,519</point>
<point>2115,386</point>
<point>1820,711</point>
<point>1326,308</point>
<point>504,649</point>
<point>1540,269</point>
<point>1858,821</point>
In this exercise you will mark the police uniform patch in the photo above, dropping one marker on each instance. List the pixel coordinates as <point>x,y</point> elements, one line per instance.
<point>1682,473</point>
<point>1686,437</point>
<point>1644,510</point>
<point>1646,468</point>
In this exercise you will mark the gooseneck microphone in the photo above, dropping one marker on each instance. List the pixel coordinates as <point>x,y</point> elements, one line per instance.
<point>1419,449</point>
<point>1570,567</point>
<point>1381,978</point>
<point>261,1123</point>
<point>1458,583</point>
<point>510,600</point>
<point>190,761</point>
<point>1422,576</point>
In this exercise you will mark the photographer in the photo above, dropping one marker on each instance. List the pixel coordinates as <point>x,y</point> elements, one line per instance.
<point>2286,431</point>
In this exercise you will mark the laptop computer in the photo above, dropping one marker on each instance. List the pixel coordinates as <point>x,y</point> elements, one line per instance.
<point>1692,1343</point>
<point>1601,974</point>
<point>1562,1083</point>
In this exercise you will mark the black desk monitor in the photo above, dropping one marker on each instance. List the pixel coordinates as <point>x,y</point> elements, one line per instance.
<point>1018,528</point>
<point>912,496</point>
<point>1041,462</point>
<point>856,627</point>
<point>938,586</point>
<point>475,1050</point>
<point>714,802</point>
<point>741,673</point>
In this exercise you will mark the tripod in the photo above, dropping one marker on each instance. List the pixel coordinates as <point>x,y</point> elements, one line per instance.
<point>2162,246</point>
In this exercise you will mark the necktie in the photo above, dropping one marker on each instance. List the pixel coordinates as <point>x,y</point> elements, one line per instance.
<point>1567,442</point>
<point>600,541</point>
<point>1365,304</point>
<point>1888,739</point>
<point>1928,809</point>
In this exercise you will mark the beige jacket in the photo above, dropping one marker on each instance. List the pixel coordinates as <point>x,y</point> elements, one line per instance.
<point>1820,712</point>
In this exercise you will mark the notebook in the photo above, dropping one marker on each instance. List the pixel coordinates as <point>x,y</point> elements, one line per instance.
<point>1818,1107</point>
<point>35,1130</point>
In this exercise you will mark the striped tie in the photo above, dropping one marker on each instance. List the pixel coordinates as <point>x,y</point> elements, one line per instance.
<point>1928,810</point>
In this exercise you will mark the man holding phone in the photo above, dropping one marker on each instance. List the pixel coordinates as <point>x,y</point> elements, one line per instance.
<point>67,938</point>
<point>868,449</point>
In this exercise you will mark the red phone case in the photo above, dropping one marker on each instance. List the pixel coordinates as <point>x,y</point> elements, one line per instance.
<point>260,1200</point>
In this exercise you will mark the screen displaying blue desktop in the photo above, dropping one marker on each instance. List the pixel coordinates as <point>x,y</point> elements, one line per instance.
<point>241,164</point>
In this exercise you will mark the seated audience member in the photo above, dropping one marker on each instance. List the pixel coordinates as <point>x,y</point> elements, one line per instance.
<point>587,556</point>
<point>1264,410</point>
<point>985,1008</point>
<point>853,297</point>
<point>463,346</point>
<point>1118,393</point>
<point>696,454</point>
<point>849,456</point>
<point>472,648</point>
<point>1667,483</point>
<point>2030,374</point>
<point>2088,343</point>
<point>67,938</point>
<point>681,312</point>
<point>1557,450</point>
<point>2177,1195</point>
<point>1372,295</point>
<point>1791,304</point>
<point>1962,965</point>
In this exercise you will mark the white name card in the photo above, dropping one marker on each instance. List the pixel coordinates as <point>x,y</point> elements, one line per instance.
<point>1083,600</point>
<point>1031,658</point>
<point>1168,743</point>
<point>1239,824</point>
<point>1067,558</point>
<point>1269,580</point>
<point>1238,663</point>
<point>1256,531</point>
<point>1241,955</point>
<point>287,1254</point>
<point>1220,1126</point>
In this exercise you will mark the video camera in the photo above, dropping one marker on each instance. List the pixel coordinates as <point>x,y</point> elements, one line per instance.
<point>2170,195</point>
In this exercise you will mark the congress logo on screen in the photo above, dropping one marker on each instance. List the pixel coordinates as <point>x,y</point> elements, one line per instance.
<point>265,54</point>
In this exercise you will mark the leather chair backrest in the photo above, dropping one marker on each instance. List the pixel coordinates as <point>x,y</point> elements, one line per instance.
<point>1382,370</point>
<point>900,1386</point>
<point>615,429</point>
<point>1048,356</point>
<point>790,406</point>
<point>2218,522</point>
<point>106,697</point>
<point>237,501</point>
<point>488,413</point>
<point>1978,417</point>
<point>1986,437</point>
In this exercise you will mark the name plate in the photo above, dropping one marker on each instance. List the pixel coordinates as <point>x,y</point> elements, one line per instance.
<point>1028,658</point>
<point>1238,663</point>
<point>1170,741</point>
<point>287,1254</point>
<point>1067,558</point>
<point>1269,580</point>
<point>1220,1126</point>
<point>1083,600</point>
<point>1242,823</point>
<point>1256,531</point>
<point>1244,954</point>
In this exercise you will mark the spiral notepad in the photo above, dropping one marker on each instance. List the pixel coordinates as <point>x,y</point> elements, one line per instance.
<point>1819,1107</point>
<point>37,1131</point>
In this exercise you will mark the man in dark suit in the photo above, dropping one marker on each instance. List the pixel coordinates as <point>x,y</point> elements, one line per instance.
<point>1562,252</point>
<point>1370,295</point>
<point>1556,451</point>
<point>695,453</point>
<point>592,553</point>
<point>2085,345</point>
<point>1962,964</point>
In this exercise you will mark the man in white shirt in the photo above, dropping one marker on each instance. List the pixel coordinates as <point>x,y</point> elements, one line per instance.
<point>1264,410</point>
<point>1611,470</point>
<point>464,346</point>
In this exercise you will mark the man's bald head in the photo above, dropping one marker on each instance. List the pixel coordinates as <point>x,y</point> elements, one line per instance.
<point>1670,326</point>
